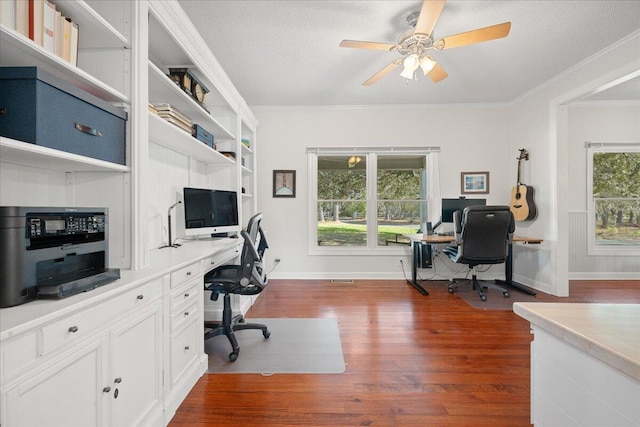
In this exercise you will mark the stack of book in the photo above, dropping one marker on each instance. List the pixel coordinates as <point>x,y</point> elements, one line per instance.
<point>174,116</point>
<point>40,21</point>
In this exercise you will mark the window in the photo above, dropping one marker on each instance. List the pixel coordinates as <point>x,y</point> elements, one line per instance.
<point>368,198</point>
<point>614,199</point>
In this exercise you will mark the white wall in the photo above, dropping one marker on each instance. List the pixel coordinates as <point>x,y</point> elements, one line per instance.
<point>596,122</point>
<point>539,122</point>
<point>472,138</point>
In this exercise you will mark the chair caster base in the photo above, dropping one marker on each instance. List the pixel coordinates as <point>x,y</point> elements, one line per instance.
<point>233,356</point>
<point>266,334</point>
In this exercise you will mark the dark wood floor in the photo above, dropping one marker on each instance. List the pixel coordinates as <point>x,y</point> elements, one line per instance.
<point>411,360</point>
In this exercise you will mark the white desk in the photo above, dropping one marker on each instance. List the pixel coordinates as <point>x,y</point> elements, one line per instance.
<point>585,363</point>
<point>126,353</point>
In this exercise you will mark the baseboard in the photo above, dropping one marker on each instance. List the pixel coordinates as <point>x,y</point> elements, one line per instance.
<point>618,275</point>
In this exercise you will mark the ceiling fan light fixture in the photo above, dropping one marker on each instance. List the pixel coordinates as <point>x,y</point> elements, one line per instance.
<point>411,63</point>
<point>426,64</point>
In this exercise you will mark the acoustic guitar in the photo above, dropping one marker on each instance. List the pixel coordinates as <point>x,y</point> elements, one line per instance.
<point>522,205</point>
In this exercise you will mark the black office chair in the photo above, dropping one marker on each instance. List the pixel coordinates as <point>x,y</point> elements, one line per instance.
<point>247,278</point>
<point>482,234</point>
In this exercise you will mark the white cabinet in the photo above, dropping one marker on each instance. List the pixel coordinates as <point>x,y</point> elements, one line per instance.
<point>135,370</point>
<point>110,375</point>
<point>73,382</point>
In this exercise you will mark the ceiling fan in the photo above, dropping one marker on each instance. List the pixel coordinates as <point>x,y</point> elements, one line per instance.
<point>414,43</point>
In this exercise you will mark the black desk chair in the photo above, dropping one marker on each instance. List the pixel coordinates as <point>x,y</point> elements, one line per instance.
<point>482,234</point>
<point>245,279</point>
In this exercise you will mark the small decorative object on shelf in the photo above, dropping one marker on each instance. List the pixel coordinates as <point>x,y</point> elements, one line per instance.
<point>202,135</point>
<point>229,154</point>
<point>189,83</point>
<point>246,142</point>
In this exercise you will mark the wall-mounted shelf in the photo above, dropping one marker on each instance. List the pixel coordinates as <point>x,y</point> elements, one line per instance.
<point>170,136</point>
<point>246,170</point>
<point>163,90</point>
<point>19,51</point>
<point>23,153</point>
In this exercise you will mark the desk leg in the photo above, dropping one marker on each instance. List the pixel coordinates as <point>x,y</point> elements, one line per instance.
<point>415,246</point>
<point>508,272</point>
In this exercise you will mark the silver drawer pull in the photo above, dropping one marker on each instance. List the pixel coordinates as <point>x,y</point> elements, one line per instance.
<point>117,380</point>
<point>186,348</point>
<point>186,313</point>
<point>73,329</point>
<point>186,295</point>
<point>140,296</point>
<point>188,273</point>
<point>107,389</point>
<point>88,130</point>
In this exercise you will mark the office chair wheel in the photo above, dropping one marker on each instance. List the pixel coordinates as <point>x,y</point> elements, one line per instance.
<point>506,294</point>
<point>483,298</point>
<point>451,290</point>
<point>266,334</point>
<point>233,356</point>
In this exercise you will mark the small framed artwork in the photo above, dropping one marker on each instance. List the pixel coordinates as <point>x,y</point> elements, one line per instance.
<point>284,183</point>
<point>474,182</point>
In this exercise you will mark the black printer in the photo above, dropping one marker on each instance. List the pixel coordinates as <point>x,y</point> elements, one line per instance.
<point>52,252</point>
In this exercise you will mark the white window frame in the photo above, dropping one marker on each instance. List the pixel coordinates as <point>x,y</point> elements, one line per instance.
<point>592,248</point>
<point>371,153</point>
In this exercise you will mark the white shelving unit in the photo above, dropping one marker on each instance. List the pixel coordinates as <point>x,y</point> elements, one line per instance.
<point>125,51</point>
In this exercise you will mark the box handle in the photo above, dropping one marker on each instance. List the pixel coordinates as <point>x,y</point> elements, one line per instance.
<point>87,129</point>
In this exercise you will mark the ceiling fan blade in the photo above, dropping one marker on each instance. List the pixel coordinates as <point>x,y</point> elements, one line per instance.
<point>437,73</point>
<point>476,36</point>
<point>366,45</point>
<point>429,14</point>
<point>380,74</point>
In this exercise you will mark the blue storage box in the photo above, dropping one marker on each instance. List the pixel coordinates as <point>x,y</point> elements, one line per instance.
<point>202,135</point>
<point>39,108</point>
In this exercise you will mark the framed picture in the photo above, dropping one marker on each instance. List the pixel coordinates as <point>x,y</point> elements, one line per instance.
<point>474,182</point>
<point>284,183</point>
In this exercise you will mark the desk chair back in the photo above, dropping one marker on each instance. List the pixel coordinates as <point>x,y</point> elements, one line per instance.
<point>483,234</point>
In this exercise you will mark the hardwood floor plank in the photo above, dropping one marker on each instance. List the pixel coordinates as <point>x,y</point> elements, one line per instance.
<point>411,360</point>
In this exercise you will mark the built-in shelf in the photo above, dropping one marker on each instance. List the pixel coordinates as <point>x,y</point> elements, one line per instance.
<point>102,35</point>
<point>246,149</point>
<point>247,196</point>
<point>162,90</point>
<point>23,153</point>
<point>246,170</point>
<point>20,51</point>
<point>168,135</point>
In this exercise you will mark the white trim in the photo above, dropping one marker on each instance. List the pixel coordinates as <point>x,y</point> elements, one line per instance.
<point>598,275</point>
<point>370,150</point>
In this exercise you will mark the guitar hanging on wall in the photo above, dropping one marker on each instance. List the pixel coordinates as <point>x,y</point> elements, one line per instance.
<point>522,205</point>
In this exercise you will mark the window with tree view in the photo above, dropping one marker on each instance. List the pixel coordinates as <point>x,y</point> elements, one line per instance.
<point>369,199</point>
<point>615,191</point>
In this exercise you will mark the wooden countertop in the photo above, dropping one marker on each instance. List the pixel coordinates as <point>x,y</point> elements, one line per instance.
<point>608,332</point>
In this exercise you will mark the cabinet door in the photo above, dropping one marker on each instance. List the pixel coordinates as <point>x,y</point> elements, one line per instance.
<point>66,394</point>
<point>135,355</point>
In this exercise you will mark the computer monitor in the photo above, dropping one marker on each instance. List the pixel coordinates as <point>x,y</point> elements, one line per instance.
<point>449,206</point>
<point>210,211</point>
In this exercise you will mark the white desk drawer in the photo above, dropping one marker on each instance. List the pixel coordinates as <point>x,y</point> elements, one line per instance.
<point>181,276</point>
<point>187,294</point>
<point>76,325</point>
<point>181,317</point>
<point>184,349</point>
<point>220,258</point>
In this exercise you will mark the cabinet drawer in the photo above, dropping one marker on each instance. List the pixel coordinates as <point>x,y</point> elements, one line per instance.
<point>219,259</point>
<point>181,276</point>
<point>183,316</point>
<point>184,349</point>
<point>186,295</point>
<point>69,328</point>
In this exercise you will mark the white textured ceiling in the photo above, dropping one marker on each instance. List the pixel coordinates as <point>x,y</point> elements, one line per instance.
<point>287,53</point>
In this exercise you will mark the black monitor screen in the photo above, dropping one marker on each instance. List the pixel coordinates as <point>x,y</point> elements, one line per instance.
<point>208,211</point>
<point>449,206</point>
